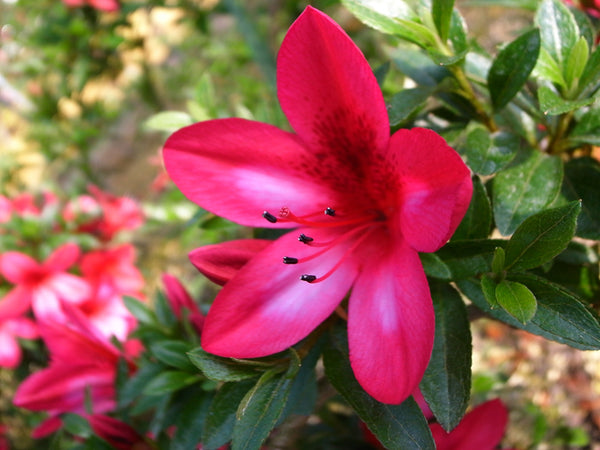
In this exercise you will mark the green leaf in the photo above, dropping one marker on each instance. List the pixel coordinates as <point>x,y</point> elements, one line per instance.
<point>582,181</point>
<point>172,353</point>
<point>406,103</point>
<point>512,67</point>
<point>552,104</point>
<point>169,381</point>
<point>441,10</point>
<point>434,266</point>
<point>396,18</point>
<point>516,300</point>
<point>260,411</point>
<point>417,66</point>
<point>397,427</point>
<point>558,29</point>
<point>547,68</point>
<point>486,153</point>
<point>576,62</point>
<point>190,421</point>
<point>458,33</point>
<point>541,237</point>
<point>466,259</point>
<point>477,222</point>
<point>163,310</point>
<point>560,316</point>
<point>168,121</point>
<point>446,384</point>
<point>220,420</point>
<point>591,75</point>
<point>135,385</point>
<point>526,187</point>
<point>139,310</point>
<point>488,286</point>
<point>221,369</point>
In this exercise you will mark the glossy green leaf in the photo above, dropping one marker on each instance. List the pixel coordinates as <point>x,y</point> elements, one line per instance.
<point>397,427</point>
<point>220,420</point>
<point>458,32</point>
<point>576,62</point>
<point>434,266</point>
<point>486,153</point>
<point>488,287</point>
<point>168,121</point>
<point>547,68</point>
<point>512,67</point>
<point>590,78</point>
<point>416,65</point>
<point>260,410</point>
<point>446,384</point>
<point>526,187</point>
<point>516,300</point>
<point>172,353</point>
<point>499,260</point>
<point>441,11</point>
<point>558,29</point>
<point>169,381</point>
<point>553,104</point>
<point>469,258</point>
<point>541,237</point>
<point>477,222</point>
<point>406,103</point>
<point>582,181</point>
<point>221,369</point>
<point>560,316</point>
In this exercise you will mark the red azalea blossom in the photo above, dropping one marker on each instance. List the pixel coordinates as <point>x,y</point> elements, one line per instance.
<point>364,204</point>
<point>592,7</point>
<point>179,299</point>
<point>101,5</point>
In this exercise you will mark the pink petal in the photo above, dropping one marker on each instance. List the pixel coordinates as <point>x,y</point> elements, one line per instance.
<point>436,187</point>
<point>15,303</point>
<point>237,169</point>
<point>119,434</point>
<point>16,267</point>
<point>329,94</point>
<point>47,427</point>
<point>220,262</point>
<point>23,327</point>
<point>266,308</point>
<point>62,258</point>
<point>69,287</point>
<point>391,323</point>
<point>10,352</point>
<point>481,429</point>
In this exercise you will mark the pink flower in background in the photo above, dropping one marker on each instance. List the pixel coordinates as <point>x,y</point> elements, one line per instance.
<point>5,209</point>
<point>102,5</point>
<point>119,213</point>
<point>41,285</point>
<point>180,299</point>
<point>363,204</point>
<point>82,363</point>
<point>592,7</point>
<point>10,330</point>
<point>118,434</point>
<point>3,441</point>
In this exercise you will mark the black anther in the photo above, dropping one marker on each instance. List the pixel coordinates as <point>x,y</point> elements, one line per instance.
<point>329,211</point>
<point>305,239</point>
<point>308,278</point>
<point>270,217</point>
<point>290,260</point>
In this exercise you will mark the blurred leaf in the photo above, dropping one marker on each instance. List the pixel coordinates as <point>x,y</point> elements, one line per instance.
<point>516,300</point>
<point>552,104</point>
<point>397,427</point>
<point>512,67</point>
<point>134,386</point>
<point>582,181</point>
<point>477,222</point>
<point>560,316</point>
<point>260,410</point>
<point>168,121</point>
<point>221,369</point>
<point>541,237</point>
<point>458,32</point>
<point>558,29</point>
<point>407,102</point>
<point>164,312</point>
<point>441,10</point>
<point>172,353</point>
<point>446,384</point>
<point>169,381</point>
<point>591,75</point>
<point>218,428</point>
<point>486,153</point>
<point>417,66</point>
<point>530,184</point>
<point>139,310</point>
<point>190,421</point>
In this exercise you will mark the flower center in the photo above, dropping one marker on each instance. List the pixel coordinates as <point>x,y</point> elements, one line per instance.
<point>356,229</point>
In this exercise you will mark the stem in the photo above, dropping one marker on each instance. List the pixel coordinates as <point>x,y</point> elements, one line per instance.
<point>554,146</point>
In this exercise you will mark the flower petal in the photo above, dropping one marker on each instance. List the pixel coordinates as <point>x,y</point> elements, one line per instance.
<point>266,308</point>
<point>10,352</point>
<point>16,267</point>
<point>481,429</point>
<point>391,324</point>
<point>62,258</point>
<point>436,187</point>
<point>329,92</point>
<point>220,262</point>
<point>237,169</point>
<point>15,302</point>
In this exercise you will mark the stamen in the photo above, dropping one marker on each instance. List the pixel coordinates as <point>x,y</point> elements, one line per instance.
<point>329,211</point>
<point>290,260</point>
<point>270,217</point>
<point>286,215</point>
<point>305,239</point>
<point>308,278</point>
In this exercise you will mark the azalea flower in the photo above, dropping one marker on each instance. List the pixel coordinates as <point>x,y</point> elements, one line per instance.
<point>362,205</point>
<point>101,5</point>
<point>41,285</point>
<point>119,434</point>
<point>10,330</point>
<point>180,299</point>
